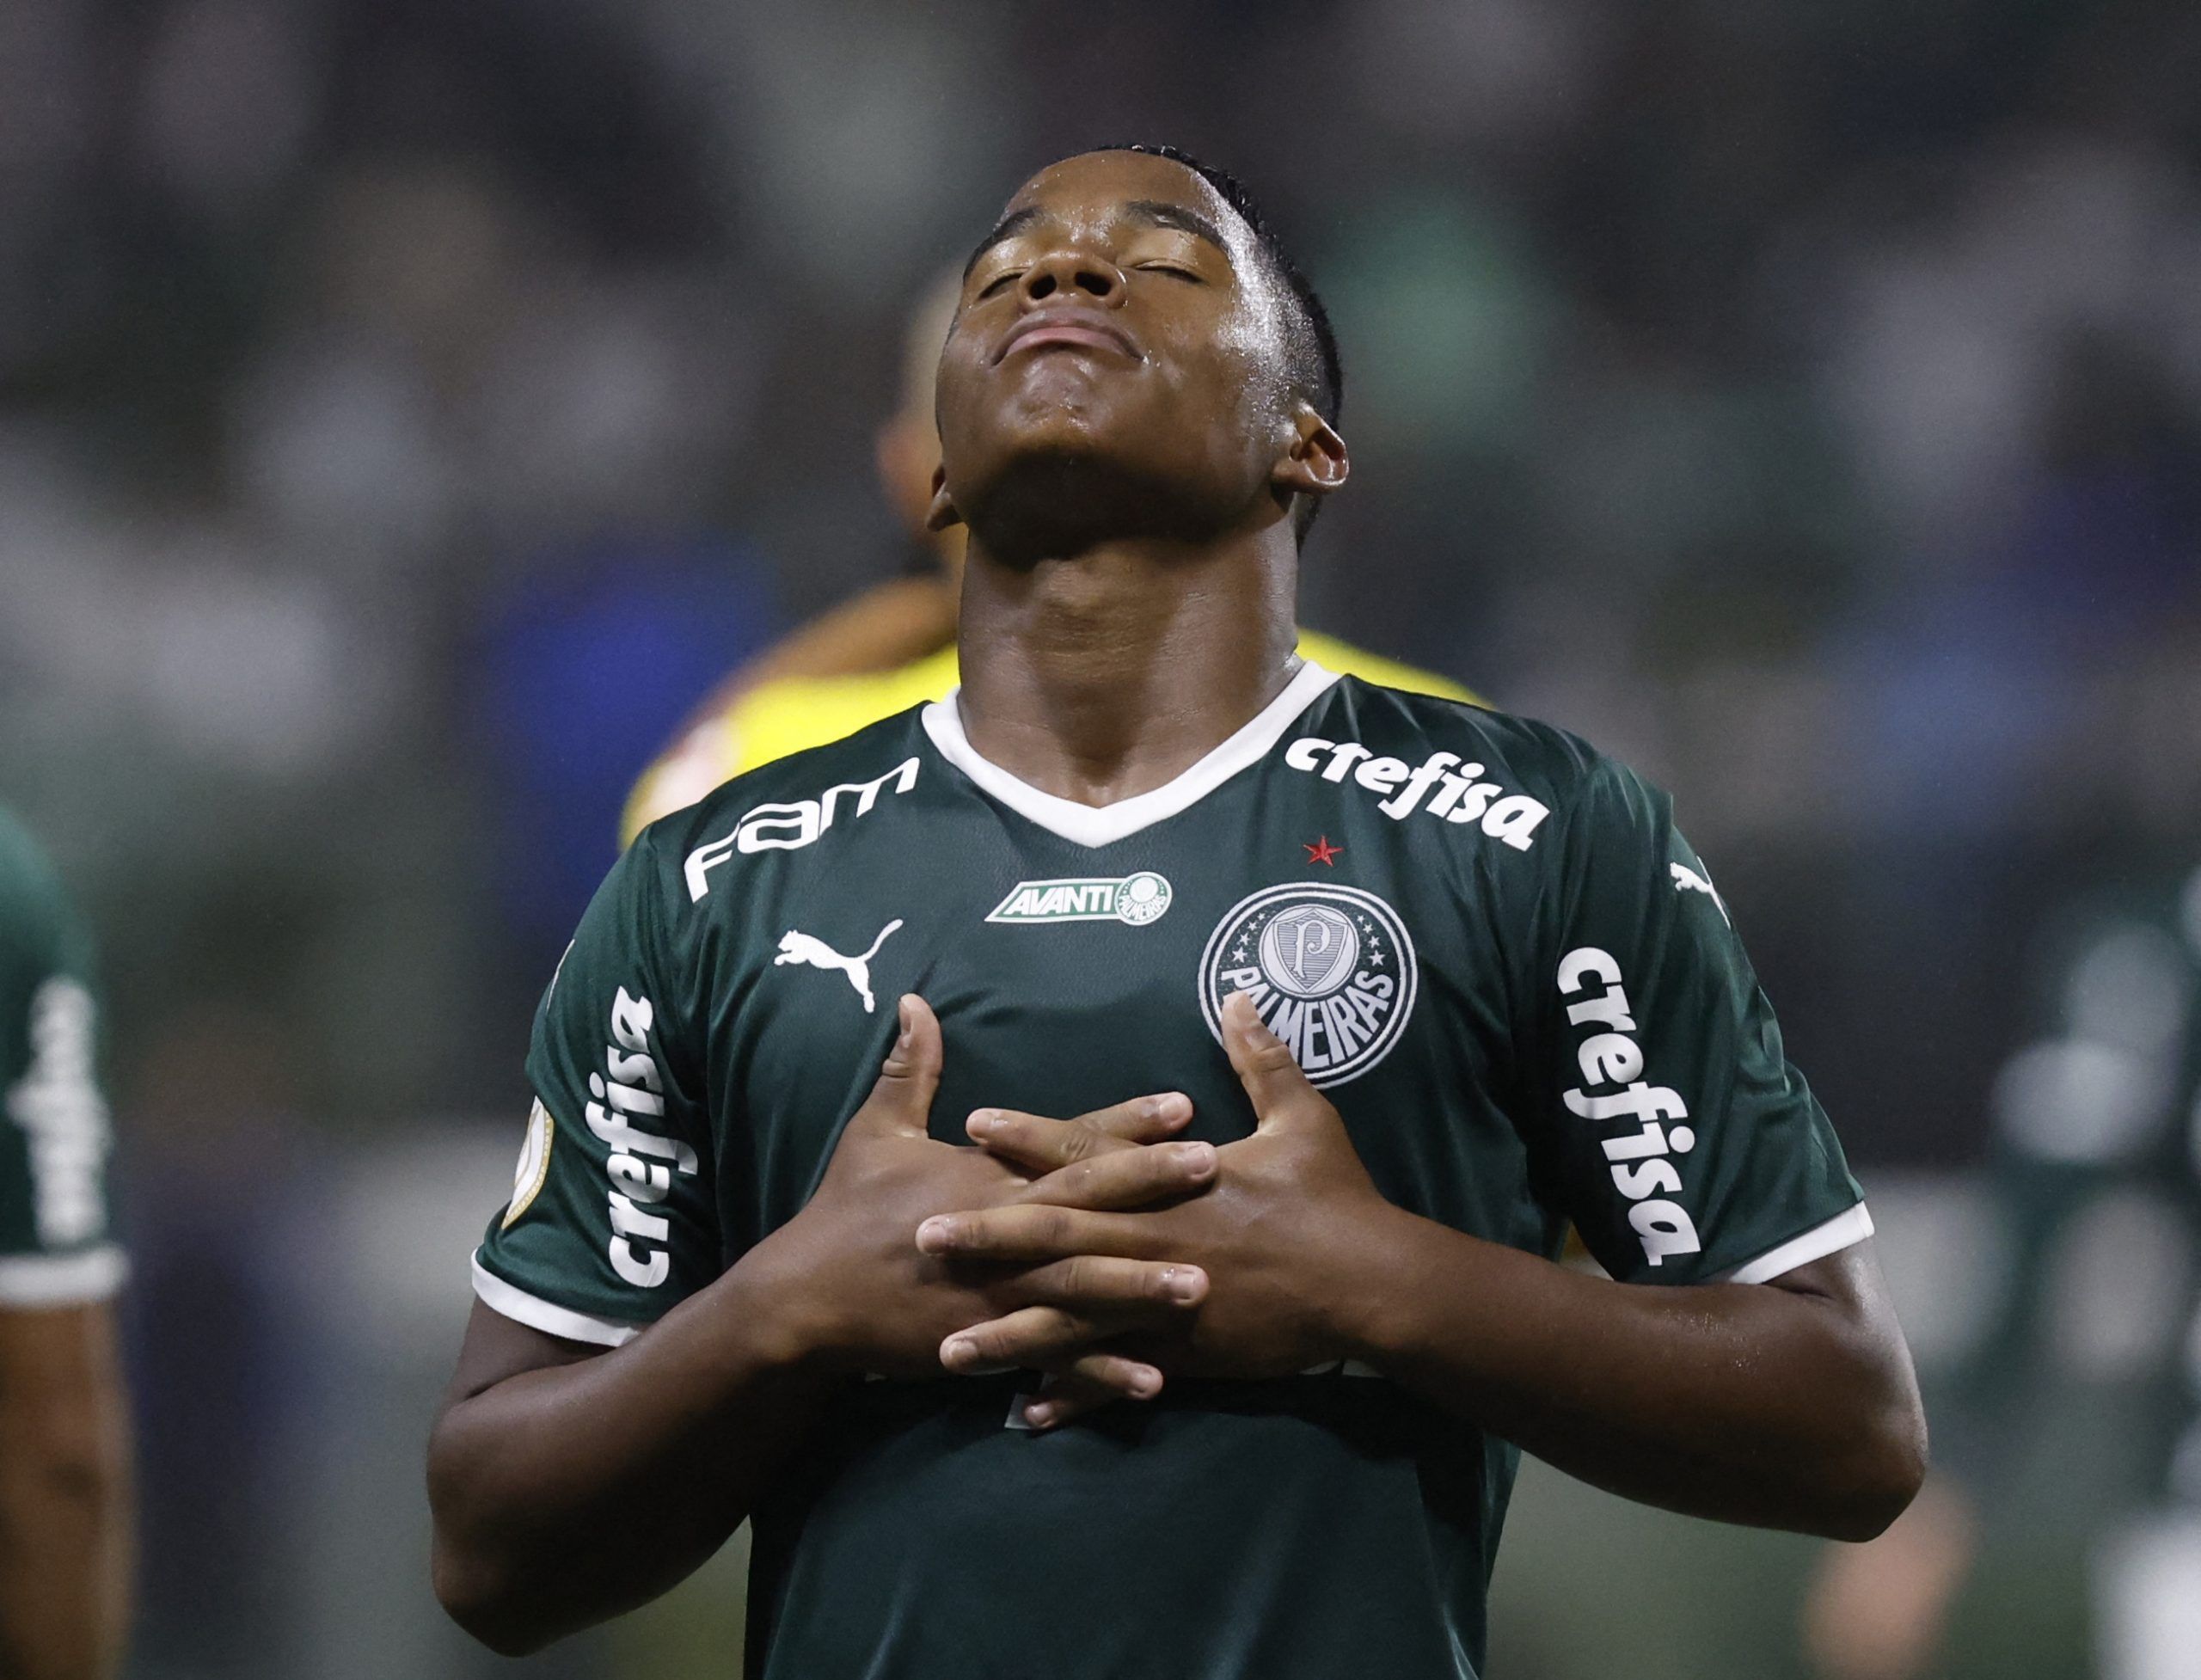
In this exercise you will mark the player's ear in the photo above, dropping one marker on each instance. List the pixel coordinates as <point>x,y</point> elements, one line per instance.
<point>1314,461</point>
<point>943,513</point>
<point>905,451</point>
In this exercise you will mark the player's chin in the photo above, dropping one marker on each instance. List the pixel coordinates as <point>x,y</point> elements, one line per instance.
<point>1032,437</point>
<point>1056,495</point>
<point>1081,412</point>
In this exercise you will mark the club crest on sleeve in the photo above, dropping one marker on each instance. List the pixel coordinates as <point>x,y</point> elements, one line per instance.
<point>534,1167</point>
<point>1331,970</point>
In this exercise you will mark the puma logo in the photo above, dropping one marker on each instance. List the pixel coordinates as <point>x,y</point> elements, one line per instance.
<point>1685,877</point>
<point>817,953</point>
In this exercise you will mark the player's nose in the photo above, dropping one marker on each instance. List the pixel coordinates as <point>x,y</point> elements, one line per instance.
<point>1073,275</point>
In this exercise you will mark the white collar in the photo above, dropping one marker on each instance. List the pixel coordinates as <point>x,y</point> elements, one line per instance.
<point>1104,825</point>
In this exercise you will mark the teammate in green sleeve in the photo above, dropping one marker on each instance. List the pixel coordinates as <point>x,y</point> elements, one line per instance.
<point>65,1507</point>
<point>2100,1105</point>
<point>1295,1018</point>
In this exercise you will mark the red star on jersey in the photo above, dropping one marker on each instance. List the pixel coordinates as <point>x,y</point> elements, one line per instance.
<point>1322,852</point>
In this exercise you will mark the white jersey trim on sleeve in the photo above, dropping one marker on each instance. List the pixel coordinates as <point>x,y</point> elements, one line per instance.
<point>1849,1227</point>
<point>548,1316</point>
<point>62,1280</point>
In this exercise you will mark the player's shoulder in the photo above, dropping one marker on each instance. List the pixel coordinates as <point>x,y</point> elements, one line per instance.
<point>787,802</point>
<point>763,723</point>
<point>1552,765</point>
<point>1522,780</point>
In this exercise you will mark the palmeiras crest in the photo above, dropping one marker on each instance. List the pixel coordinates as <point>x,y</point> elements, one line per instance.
<point>1331,970</point>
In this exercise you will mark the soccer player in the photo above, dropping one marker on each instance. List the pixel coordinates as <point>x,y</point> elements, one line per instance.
<point>65,1505</point>
<point>892,646</point>
<point>2103,1103</point>
<point>1294,1017</point>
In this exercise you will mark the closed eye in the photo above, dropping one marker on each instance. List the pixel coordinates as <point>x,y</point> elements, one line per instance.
<point>1008,277</point>
<point>1181,272</point>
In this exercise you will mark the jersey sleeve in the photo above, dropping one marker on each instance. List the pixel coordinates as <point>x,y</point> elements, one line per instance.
<point>1687,1148</point>
<point>612,1220</point>
<point>57,1245</point>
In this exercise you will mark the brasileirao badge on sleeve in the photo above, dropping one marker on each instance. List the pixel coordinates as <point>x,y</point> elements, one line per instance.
<point>1331,970</point>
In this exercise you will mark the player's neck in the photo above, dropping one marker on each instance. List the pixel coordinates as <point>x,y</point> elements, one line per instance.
<point>1099,678</point>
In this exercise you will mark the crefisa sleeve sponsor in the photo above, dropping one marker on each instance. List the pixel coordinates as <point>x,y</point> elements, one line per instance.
<point>1643,1161</point>
<point>629,1097</point>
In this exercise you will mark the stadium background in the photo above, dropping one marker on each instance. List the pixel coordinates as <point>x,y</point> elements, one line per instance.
<point>406,410</point>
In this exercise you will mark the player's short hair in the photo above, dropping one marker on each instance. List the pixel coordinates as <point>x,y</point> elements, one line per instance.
<point>1311,361</point>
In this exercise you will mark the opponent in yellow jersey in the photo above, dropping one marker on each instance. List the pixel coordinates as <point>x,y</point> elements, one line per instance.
<point>893,647</point>
<point>775,718</point>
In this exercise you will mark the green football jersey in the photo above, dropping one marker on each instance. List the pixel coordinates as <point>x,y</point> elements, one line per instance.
<point>1482,941</point>
<point>55,1246</point>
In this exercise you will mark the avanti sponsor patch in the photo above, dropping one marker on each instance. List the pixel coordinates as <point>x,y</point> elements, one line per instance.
<point>1135,900</point>
<point>1331,970</point>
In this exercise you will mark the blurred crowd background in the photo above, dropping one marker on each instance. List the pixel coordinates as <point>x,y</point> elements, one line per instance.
<point>408,410</point>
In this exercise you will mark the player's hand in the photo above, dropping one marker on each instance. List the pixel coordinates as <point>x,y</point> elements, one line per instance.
<point>1283,1201</point>
<point>860,1297</point>
<point>1093,1162</point>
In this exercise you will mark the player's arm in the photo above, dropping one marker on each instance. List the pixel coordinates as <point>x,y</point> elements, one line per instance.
<point>570,1483</point>
<point>66,1509</point>
<point>616,1398</point>
<point>1789,1405</point>
<point>1742,1360</point>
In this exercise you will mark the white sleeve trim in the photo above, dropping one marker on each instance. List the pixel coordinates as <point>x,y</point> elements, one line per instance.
<point>548,1316</point>
<point>1851,1226</point>
<point>63,1280</point>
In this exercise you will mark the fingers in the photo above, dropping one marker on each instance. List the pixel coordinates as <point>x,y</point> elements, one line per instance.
<point>1028,1338</point>
<point>1127,1289</point>
<point>1042,1145</point>
<point>1280,1090</point>
<point>1128,1177</point>
<point>1034,1141</point>
<point>902,1098</point>
<point>1142,1119</point>
<point>1079,1302</point>
<point>1033,1233</point>
<point>1087,1384</point>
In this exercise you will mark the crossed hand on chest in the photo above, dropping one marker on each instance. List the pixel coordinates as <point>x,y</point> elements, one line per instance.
<point>1096,1250</point>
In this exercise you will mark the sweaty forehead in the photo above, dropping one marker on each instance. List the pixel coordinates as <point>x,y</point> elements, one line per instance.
<point>1092,184</point>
